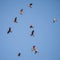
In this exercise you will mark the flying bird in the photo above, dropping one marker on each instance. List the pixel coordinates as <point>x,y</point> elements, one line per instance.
<point>54,20</point>
<point>33,48</point>
<point>15,20</point>
<point>19,54</point>
<point>36,52</point>
<point>9,30</point>
<point>21,11</point>
<point>30,5</point>
<point>31,26</point>
<point>32,33</point>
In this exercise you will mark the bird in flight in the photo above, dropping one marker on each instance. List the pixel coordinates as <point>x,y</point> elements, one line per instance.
<point>30,5</point>
<point>15,20</point>
<point>19,54</point>
<point>36,52</point>
<point>31,26</point>
<point>21,11</point>
<point>33,48</point>
<point>54,20</point>
<point>9,30</point>
<point>32,33</point>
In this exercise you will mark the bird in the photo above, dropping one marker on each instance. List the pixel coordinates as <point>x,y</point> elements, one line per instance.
<point>32,33</point>
<point>54,20</point>
<point>21,11</point>
<point>9,30</point>
<point>30,5</point>
<point>19,54</point>
<point>31,26</point>
<point>33,48</point>
<point>35,52</point>
<point>15,20</point>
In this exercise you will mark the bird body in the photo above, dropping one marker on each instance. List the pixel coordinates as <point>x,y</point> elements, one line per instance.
<point>54,20</point>
<point>32,33</point>
<point>9,30</point>
<point>31,26</point>
<point>21,11</point>
<point>19,54</point>
<point>15,20</point>
<point>36,52</point>
<point>33,48</point>
<point>30,5</point>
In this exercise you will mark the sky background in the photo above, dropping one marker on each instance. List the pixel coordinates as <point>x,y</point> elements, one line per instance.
<point>47,34</point>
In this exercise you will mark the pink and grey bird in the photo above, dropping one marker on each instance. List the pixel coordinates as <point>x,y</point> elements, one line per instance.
<point>15,20</point>
<point>21,11</point>
<point>30,5</point>
<point>33,48</point>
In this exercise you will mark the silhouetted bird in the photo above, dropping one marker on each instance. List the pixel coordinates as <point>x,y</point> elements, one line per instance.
<point>31,26</point>
<point>32,33</point>
<point>21,11</point>
<point>19,54</point>
<point>36,51</point>
<point>33,48</point>
<point>30,5</point>
<point>9,30</point>
<point>54,20</point>
<point>15,20</point>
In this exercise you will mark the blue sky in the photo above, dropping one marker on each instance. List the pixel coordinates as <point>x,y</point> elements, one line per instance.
<point>47,34</point>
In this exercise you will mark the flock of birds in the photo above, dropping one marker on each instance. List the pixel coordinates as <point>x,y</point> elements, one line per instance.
<point>31,27</point>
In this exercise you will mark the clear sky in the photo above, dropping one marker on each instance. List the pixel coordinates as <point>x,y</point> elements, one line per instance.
<point>47,34</point>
